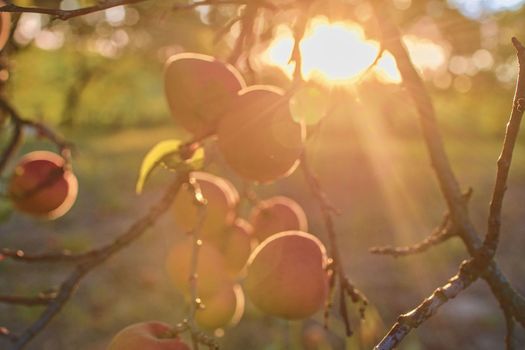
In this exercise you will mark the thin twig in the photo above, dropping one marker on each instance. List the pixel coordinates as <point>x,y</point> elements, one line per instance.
<point>494,222</point>
<point>195,303</point>
<point>62,257</point>
<point>41,299</point>
<point>247,23</point>
<point>12,146</point>
<point>41,130</point>
<point>440,234</point>
<point>298,35</point>
<point>347,288</point>
<point>510,336</point>
<point>68,14</point>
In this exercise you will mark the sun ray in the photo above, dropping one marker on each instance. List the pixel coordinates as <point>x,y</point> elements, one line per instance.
<point>338,53</point>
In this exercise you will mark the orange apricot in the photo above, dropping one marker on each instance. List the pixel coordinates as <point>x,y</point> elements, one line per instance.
<point>219,213</point>
<point>286,275</point>
<point>221,309</point>
<point>200,90</point>
<point>237,246</point>
<point>259,138</point>
<point>152,335</point>
<point>277,214</point>
<point>41,187</point>
<point>5,26</point>
<point>212,274</point>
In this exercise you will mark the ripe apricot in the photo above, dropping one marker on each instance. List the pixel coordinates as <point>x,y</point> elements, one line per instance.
<point>152,335</point>
<point>219,213</point>
<point>259,138</point>
<point>222,308</point>
<point>41,187</point>
<point>212,275</point>
<point>237,246</point>
<point>199,90</point>
<point>277,214</point>
<point>5,26</point>
<point>286,275</point>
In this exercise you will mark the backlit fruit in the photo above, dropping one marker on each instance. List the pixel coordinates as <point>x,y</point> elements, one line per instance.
<point>200,90</point>
<point>40,186</point>
<point>277,214</point>
<point>150,335</point>
<point>5,26</point>
<point>221,197</point>
<point>237,246</point>
<point>259,138</point>
<point>286,275</point>
<point>221,309</point>
<point>212,275</point>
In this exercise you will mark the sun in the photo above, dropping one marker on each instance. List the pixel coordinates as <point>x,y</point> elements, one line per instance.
<point>338,53</point>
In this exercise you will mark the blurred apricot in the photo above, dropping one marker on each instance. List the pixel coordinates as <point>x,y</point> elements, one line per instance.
<point>237,246</point>
<point>5,26</point>
<point>277,214</point>
<point>41,187</point>
<point>259,138</point>
<point>286,275</point>
<point>222,308</point>
<point>152,335</point>
<point>212,275</point>
<point>222,199</point>
<point>200,90</point>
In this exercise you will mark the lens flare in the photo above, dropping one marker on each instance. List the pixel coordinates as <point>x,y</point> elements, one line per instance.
<point>338,53</point>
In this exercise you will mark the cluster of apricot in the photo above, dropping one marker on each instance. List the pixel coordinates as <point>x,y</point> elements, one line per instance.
<point>42,185</point>
<point>281,268</point>
<point>284,274</point>
<point>256,133</point>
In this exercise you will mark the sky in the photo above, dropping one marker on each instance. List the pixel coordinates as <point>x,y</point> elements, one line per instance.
<point>476,8</point>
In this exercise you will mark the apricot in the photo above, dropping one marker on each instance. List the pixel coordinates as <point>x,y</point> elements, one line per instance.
<point>222,199</point>
<point>237,246</point>
<point>212,274</point>
<point>5,26</point>
<point>41,187</point>
<point>200,90</point>
<point>277,214</point>
<point>286,275</point>
<point>150,335</point>
<point>221,309</point>
<point>259,138</point>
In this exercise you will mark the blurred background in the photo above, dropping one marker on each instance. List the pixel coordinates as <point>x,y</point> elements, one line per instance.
<point>98,80</point>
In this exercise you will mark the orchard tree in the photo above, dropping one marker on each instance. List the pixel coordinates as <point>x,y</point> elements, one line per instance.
<point>240,248</point>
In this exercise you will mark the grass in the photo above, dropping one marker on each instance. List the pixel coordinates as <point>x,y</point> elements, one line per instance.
<point>384,187</point>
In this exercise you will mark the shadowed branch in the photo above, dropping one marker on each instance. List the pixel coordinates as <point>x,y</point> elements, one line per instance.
<point>94,259</point>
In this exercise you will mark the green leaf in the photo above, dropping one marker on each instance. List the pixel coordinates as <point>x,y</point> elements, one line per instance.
<point>167,153</point>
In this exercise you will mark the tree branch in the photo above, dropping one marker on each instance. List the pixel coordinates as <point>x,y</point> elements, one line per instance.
<point>97,257</point>
<point>500,287</point>
<point>469,271</point>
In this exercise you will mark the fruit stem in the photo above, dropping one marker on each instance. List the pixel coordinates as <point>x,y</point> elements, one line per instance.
<point>196,303</point>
